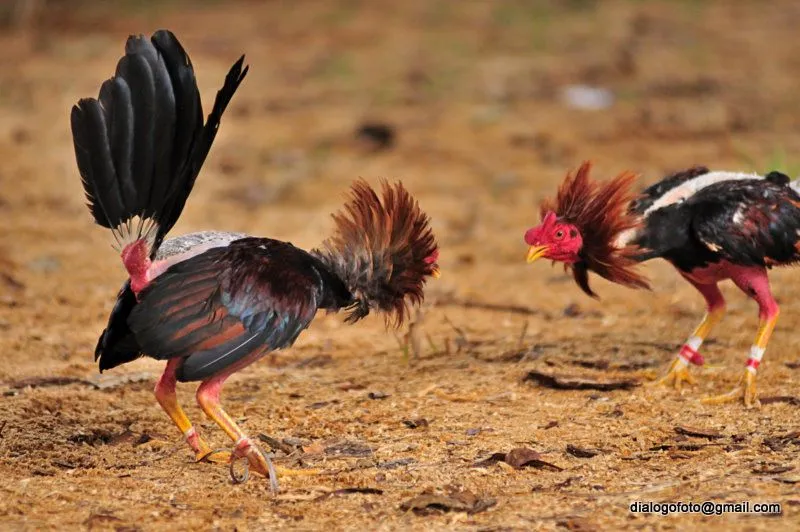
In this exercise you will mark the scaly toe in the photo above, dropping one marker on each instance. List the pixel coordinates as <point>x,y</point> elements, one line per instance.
<point>283,471</point>
<point>751,401</point>
<point>745,391</point>
<point>675,377</point>
<point>734,395</point>
<point>751,398</point>
<point>213,456</point>
<point>683,376</point>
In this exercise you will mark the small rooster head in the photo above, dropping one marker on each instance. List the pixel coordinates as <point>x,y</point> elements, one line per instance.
<point>554,239</point>
<point>582,225</point>
<point>383,249</point>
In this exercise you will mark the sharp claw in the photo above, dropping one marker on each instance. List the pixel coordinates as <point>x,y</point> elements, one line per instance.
<point>273,475</point>
<point>245,474</point>
<point>254,457</point>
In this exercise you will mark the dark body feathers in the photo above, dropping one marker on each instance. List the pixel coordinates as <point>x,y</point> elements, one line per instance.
<point>748,222</point>
<point>139,148</point>
<point>214,309</point>
<point>117,345</point>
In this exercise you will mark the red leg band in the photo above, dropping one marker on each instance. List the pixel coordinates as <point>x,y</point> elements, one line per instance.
<point>691,355</point>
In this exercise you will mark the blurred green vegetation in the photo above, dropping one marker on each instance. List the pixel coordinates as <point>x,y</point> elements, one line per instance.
<point>777,160</point>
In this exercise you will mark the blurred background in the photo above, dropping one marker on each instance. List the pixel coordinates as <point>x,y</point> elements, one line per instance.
<point>480,107</point>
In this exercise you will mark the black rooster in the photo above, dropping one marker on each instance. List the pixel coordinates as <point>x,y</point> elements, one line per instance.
<point>711,226</point>
<point>211,303</point>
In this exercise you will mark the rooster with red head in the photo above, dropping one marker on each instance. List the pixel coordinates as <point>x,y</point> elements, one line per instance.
<point>711,226</point>
<point>213,302</point>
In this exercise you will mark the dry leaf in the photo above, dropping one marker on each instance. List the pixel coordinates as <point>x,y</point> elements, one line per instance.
<point>517,458</point>
<point>348,448</point>
<point>521,457</point>
<point>577,383</point>
<point>772,470</point>
<point>463,501</point>
<point>789,399</point>
<point>700,433</point>
<point>416,423</point>
<point>683,446</point>
<point>314,448</point>
<point>777,443</point>
<point>580,452</point>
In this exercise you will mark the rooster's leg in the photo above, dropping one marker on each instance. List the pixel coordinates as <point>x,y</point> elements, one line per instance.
<point>755,283</point>
<point>679,369</point>
<point>208,398</point>
<point>168,399</point>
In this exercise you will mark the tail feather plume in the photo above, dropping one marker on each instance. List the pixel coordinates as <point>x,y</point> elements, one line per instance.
<point>141,143</point>
<point>383,249</point>
<point>202,145</point>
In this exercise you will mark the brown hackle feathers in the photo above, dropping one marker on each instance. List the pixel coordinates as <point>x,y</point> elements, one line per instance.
<point>600,212</point>
<point>383,249</point>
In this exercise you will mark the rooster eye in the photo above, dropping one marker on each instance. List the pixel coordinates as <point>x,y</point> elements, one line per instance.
<point>559,234</point>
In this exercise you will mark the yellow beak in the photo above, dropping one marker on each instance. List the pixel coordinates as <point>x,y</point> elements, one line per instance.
<point>436,273</point>
<point>536,252</point>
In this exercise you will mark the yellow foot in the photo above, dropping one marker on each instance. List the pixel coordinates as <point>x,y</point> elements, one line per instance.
<point>678,374</point>
<point>746,389</point>
<point>213,456</point>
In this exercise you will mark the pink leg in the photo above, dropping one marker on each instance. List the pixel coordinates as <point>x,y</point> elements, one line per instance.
<point>168,399</point>
<point>678,371</point>
<point>755,283</point>
<point>208,397</point>
<point>715,310</point>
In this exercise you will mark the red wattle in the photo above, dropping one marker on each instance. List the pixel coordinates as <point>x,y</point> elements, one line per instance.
<point>136,261</point>
<point>531,235</point>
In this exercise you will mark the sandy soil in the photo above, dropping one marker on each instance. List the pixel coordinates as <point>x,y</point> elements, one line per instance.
<point>483,134</point>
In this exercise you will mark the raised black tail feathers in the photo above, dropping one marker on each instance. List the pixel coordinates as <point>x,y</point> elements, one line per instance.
<point>140,145</point>
<point>200,150</point>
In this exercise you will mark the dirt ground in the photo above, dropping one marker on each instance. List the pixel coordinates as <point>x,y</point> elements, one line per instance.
<point>475,92</point>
